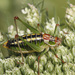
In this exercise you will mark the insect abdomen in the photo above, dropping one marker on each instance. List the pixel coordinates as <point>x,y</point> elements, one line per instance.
<point>30,38</point>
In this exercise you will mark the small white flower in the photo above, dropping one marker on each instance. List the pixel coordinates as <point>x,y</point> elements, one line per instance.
<point>1,37</point>
<point>50,26</point>
<point>10,29</point>
<point>32,7</point>
<point>69,39</point>
<point>28,31</point>
<point>72,6</point>
<point>21,33</point>
<point>70,15</point>
<point>12,32</point>
<point>23,11</point>
<point>35,14</point>
<point>30,20</point>
<point>12,35</point>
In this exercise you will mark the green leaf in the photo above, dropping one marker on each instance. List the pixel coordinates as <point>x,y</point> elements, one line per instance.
<point>42,2</point>
<point>42,28</point>
<point>43,9</point>
<point>29,27</point>
<point>42,5</point>
<point>47,15</point>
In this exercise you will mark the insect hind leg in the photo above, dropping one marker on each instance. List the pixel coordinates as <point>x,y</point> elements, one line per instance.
<point>45,50</point>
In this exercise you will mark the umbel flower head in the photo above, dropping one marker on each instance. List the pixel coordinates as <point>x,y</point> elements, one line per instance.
<point>50,26</point>
<point>32,15</point>
<point>70,15</point>
<point>70,39</point>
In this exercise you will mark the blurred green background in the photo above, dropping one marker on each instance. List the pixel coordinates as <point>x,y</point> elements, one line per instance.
<point>11,8</point>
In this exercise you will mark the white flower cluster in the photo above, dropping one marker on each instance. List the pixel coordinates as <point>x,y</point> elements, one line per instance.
<point>12,32</point>
<point>28,31</point>
<point>36,67</point>
<point>32,15</point>
<point>58,69</point>
<point>26,70</point>
<point>63,32</point>
<point>70,39</point>
<point>49,66</point>
<point>30,59</point>
<point>16,71</point>
<point>1,37</point>
<point>69,69</point>
<point>6,64</point>
<point>43,59</point>
<point>50,26</point>
<point>70,15</point>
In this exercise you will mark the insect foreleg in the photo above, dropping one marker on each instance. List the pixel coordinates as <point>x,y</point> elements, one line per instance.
<point>26,25</point>
<point>16,37</point>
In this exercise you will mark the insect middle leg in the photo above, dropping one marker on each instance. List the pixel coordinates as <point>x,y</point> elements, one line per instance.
<point>52,47</point>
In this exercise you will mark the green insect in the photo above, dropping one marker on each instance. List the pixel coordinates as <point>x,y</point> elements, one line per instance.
<point>36,42</point>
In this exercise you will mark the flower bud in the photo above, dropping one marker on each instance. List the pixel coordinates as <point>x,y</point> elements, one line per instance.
<point>36,67</point>
<point>49,66</point>
<point>8,64</point>
<point>16,71</point>
<point>30,59</point>
<point>43,60</point>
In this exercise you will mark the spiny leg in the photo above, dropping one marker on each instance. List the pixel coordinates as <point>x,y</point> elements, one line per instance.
<point>16,37</point>
<point>38,64</point>
<point>58,57</point>
<point>52,47</point>
<point>57,43</point>
<point>46,49</point>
